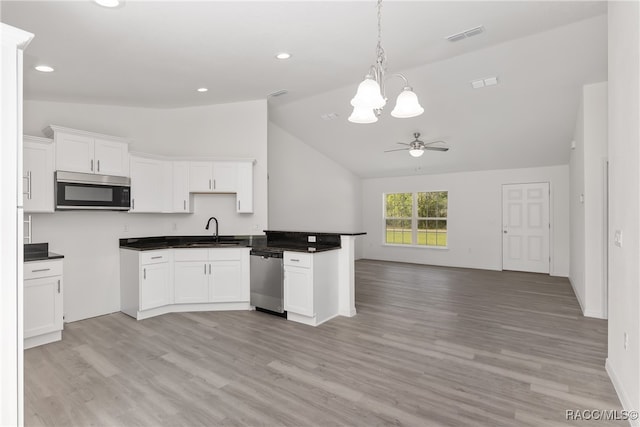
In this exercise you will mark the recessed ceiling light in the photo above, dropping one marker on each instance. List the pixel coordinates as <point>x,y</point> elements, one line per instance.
<point>108,3</point>
<point>44,68</point>
<point>283,55</point>
<point>466,33</point>
<point>202,89</point>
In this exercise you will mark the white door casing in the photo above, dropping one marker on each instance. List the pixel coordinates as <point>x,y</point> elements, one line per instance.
<point>525,227</point>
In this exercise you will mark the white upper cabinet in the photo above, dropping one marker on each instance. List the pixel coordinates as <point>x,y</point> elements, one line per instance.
<point>181,200</point>
<point>149,189</point>
<point>200,177</point>
<point>244,202</point>
<point>225,177</point>
<point>213,177</point>
<point>81,151</point>
<point>38,174</point>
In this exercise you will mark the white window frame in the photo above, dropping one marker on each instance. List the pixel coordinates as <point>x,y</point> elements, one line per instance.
<point>414,220</point>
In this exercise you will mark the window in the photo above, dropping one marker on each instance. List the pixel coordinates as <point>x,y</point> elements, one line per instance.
<point>416,218</point>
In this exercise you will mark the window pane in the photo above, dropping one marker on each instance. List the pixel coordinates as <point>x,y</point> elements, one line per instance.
<point>422,205</point>
<point>432,204</point>
<point>443,201</point>
<point>399,205</point>
<point>441,233</point>
<point>398,231</point>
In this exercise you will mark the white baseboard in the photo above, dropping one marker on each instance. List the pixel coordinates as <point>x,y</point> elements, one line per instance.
<point>622,395</point>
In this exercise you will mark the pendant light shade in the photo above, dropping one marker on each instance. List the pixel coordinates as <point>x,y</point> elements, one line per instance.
<point>368,95</point>
<point>363,115</point>
<point>416,152</point>
<point>407,105</point>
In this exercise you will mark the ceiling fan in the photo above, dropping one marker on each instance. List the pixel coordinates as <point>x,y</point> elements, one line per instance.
<point>416,147</point>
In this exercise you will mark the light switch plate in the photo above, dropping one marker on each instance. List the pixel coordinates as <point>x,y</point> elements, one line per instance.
<point>311,239</point>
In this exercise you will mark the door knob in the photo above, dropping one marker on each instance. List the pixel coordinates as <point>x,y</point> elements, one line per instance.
<point>505,231</point>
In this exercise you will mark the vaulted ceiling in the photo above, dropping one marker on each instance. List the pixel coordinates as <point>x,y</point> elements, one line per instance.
<point>156,54</point>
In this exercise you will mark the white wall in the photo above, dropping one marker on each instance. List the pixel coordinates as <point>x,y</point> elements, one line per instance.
<point>475,217</point>
<point>623,364</point>
<point>588,220</point>
<point>89,240</point>
<point>309,191</point>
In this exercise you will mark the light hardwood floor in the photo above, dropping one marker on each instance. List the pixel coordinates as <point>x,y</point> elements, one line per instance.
<point>430,346</point>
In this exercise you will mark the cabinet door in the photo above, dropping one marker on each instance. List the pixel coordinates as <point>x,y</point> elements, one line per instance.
<point>111,157</point>
<point>181,198</point>
<point>298,290</point>
<point>226,281</point>
<point>155,290</point>
<point>74,153</point>
<point>191,282</point>
<point>147,191</point>
<point>200,177</point>
<point>38,168</point>
<point>244,199</point>
<point>225,177</point>
<point>42,306</point>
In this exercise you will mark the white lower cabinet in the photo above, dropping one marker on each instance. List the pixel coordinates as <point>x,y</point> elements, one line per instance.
<point>43,316</point>
<point>145,281</point>
<point>192,279</point>
<point>311,286</point>
<point>211,275</point>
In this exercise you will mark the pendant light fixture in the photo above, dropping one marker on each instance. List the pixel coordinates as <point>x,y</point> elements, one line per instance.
<point>370,97</point>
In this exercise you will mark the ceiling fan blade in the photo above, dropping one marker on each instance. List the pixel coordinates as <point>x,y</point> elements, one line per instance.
<point>437,148</point>
<point>434,142</point>
<point>404,143</point>
<point>396,149</point>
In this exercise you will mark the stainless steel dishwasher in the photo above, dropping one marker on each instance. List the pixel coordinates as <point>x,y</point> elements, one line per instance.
<point>267,280</point>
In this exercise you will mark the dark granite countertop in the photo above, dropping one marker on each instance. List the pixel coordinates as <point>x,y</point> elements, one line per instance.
<point>318,233</point>
<point>39,252</point>
<point>43,257</point>
<point>207,242</point>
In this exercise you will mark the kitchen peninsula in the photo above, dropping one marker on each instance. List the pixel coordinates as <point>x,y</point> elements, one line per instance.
<point>161,275</point>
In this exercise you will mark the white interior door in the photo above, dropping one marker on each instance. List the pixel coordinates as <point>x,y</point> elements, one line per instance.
<point>525,227</point>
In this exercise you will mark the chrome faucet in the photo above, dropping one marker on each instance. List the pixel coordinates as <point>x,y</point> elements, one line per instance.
<point>215,236</point>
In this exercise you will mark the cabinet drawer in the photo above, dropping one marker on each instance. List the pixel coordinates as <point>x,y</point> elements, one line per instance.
<point>154,257</point>
<point>297,259</point>
<point>191,254</point>
<point>37,269</point>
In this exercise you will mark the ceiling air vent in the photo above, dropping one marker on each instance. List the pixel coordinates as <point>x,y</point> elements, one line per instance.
<point>278,93</point>
<point>466,33</point>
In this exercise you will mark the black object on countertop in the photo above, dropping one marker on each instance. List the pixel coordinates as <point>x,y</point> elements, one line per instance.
<point>39,252</point>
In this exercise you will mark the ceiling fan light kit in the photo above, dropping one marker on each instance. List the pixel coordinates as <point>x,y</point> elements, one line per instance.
<point>371,94</point>
<point>416,152</point>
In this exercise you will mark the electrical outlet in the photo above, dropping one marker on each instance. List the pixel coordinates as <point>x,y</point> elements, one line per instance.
<point>126,228</point>
<point>175,226</point>
<point>617,238</point>
<point>311,239</point>
<point>626,341</point>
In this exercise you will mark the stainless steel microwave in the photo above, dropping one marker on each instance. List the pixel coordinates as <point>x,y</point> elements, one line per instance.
<point>75,190</point>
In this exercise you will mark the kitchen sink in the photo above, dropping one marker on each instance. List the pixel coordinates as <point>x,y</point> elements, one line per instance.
<point>209,244</point>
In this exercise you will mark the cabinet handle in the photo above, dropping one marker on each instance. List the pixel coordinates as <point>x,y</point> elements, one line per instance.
<point>238,204</point>
<point>144,273</point>
<point>209,268</point>
<point>28,178</point>
<point>184,205</point>
<point>40,270</point>
<point>209,184</point>
<point>295,260</point>
<point>156,257</point>
<point>58,286</point>
<point>214,184</point>
<point>133,204</point>
<point>91,165</point>
<point>205,269</point>
<point>98,165</point>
